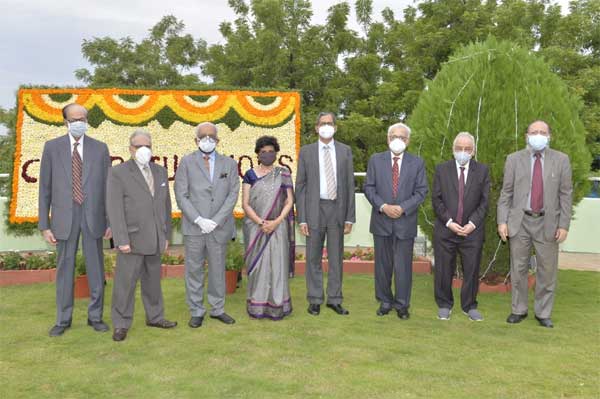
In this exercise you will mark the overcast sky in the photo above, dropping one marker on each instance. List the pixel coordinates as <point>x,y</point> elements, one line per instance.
<point>41,39</point>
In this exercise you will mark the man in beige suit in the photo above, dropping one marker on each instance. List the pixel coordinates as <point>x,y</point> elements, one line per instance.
<point>534,210</point>
<point>139,210</point>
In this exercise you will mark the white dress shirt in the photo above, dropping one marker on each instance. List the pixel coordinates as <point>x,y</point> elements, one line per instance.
<point>79,147</point>
<point>466,173</point>
<point>323,179</point>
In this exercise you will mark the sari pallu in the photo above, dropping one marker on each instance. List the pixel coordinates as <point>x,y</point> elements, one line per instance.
<point>269,257</point>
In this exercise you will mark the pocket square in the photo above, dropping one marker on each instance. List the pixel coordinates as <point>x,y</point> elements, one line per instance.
<point>223,175</point>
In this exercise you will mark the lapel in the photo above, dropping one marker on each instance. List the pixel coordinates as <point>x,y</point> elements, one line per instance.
<point>218,168</point>
<point>199,156</point>
<point>525,166</point>
<point>155,178</point>
<point>136,173</point>
<point>313,156</point>
<point>404,163</point>
<point>548,163</point>
<point>64,149</point>
<point>87,158</point>
<point>470,176</point>
<point>338,166</point>
<point>386,160</point>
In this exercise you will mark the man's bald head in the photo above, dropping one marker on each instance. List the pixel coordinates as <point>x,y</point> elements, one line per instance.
<point>74,112</point>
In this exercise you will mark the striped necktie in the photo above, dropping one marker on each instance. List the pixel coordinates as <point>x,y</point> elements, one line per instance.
<point>77,169</point>
<point>329,175</point>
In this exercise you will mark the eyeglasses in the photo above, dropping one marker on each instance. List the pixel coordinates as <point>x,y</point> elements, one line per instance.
<point>137,147</point>
<point>77,120</point>
<point>209,139</point>
<point>542,132</point>
<point>326,124</point>
<point>403,138</point>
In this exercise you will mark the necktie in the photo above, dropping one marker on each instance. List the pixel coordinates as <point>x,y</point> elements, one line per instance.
<point>395,176</point>
<point>329,175</point>
<point>461,194</point>
<point>207,164</point>
<point>537,186</point>
<point>149,179</point>
<point>77,168</point>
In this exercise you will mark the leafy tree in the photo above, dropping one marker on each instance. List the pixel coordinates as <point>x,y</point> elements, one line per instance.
<point>494,90</point>
<point>158,60</point>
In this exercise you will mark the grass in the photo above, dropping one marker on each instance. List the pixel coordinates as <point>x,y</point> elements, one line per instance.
<point>360,356</point>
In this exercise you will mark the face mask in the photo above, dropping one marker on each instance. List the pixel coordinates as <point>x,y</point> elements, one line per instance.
<point>143,155</point>
<point>397,146</point>
<point>326,131</point>
<point>537,141</point>
<point>77,128</point>
<point>207,145</point>
<point>462,157</point>
<point>267,158</point>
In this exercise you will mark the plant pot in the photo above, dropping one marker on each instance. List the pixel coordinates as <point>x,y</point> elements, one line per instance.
<point>231,281</point>
<point>82,288</point>
<point>14,277</point>
<point>497,288</point>
<point>172,271</point>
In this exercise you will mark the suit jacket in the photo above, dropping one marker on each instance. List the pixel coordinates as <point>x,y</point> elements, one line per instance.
<point>197,196</point>
<point>412,189</point>
<point>444,197</point>
<point>308,185</point>
<point>136,217</point>
<point>56,186</point>
<point>517,185</point>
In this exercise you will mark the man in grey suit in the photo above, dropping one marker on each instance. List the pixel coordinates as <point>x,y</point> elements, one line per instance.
<point>139,209</point>
<point>72,186</point>
<point>325,206</point>
<point>534,210</point>
<point>206,188</point>
<point>396,185</point>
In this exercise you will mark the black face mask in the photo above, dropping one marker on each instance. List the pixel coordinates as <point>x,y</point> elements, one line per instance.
<point>267,158</point>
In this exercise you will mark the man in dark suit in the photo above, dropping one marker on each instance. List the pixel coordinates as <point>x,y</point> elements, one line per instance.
<point>72,187</point>
<point>396,185</point>
<point>534,210</point>
<point>139,209</point>
<point>460,199</point>
<point>325,206</point>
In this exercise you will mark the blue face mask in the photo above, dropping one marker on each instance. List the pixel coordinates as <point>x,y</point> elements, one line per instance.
<point>77,128</point>
<point>537,141</point>
<point>462,157</point>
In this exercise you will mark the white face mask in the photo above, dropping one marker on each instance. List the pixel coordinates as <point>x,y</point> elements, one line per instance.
<point>537,141</point>
<point>462,157</point>
<point>207,145</point>
<point>77,128</point>
<point>397,146</point>
<point>143,155</point>
<point>326,131</point>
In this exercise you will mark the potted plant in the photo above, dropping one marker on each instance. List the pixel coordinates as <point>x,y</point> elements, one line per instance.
<point>82,288</point>
<point>31,268</point>
<point>172,265</point>
<point>234,262</point>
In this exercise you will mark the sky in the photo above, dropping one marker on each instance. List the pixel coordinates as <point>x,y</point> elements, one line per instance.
<point>41,39</point>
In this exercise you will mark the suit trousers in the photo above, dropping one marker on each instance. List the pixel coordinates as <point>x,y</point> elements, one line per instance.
<point>197,250</point>
<point>531,234</point>
<point>131,268</point>
<point>393,256</point>
<point>330,229</point>
<point>445,250</point>
<point>65,271</point>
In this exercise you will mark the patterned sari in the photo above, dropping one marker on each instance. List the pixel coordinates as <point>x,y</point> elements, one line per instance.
<point>269,257</point>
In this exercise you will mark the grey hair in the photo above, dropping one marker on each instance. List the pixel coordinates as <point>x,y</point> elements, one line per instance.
<point>139,132</point>
<point>398,125</point>
<point>201,125</point>
<point>65,110</point>
<point>463,134</point>
<point>322,114</point>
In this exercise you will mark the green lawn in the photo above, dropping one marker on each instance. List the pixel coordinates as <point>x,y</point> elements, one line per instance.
<point>329,356</point>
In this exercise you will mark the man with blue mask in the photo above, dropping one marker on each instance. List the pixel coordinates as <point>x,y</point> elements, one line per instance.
<point>534,211</point>
<point>396,186</point>
<point>207,186</point>
<point>72,188</point>
<point>460,200</point>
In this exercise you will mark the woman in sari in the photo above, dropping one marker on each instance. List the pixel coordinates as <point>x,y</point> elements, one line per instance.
<point>267,199</point>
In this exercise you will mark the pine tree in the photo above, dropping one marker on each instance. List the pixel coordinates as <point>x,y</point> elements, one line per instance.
<point>494,90</point>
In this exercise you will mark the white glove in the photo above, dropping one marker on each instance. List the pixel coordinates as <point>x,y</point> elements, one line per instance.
<point>206,225</point>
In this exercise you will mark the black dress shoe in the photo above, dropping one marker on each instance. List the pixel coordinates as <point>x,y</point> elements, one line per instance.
<point>99,326</point>
<point>545,322</point>
<point>224,317</point>
<point>314,309</point>
<point>339,309</point>
<point>403,313</point>
<point>516,318</point>
<point>57,331</point>
<point>119,334</point>
<point>195,321</point>
<point>383,311</point>
<point>164,323</point>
